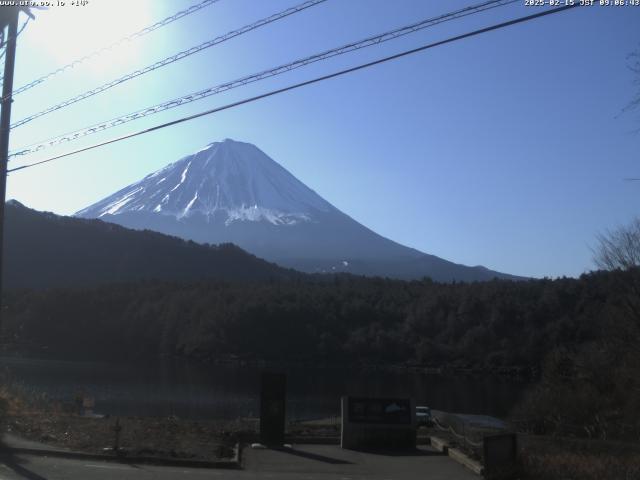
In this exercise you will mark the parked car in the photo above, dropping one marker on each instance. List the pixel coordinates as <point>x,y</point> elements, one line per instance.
<point>423,416</point>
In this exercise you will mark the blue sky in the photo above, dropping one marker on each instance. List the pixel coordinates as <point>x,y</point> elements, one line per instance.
<point>507,150</point>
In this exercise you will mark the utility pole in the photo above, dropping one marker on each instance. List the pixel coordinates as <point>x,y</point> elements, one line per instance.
<point>9,18</point>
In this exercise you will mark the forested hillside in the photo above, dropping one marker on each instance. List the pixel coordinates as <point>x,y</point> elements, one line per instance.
<point>46,250</point>
<point>345,320</point>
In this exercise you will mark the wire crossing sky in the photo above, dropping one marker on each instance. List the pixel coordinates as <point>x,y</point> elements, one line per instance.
<point>305,83</point>
<point>508,150</point>
<point>169,60</point>
<point>280,69</point>
<point>128,38</point>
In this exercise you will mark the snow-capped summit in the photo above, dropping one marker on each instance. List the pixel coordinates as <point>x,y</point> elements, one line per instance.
<point>233,192</point>
<point>232,180</point>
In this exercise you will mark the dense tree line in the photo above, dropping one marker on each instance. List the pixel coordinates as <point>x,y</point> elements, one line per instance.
<point>592,388</point>
<point>583,332</point>
<point>344,319</point>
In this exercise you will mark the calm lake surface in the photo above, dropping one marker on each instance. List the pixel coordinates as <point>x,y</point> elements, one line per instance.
<point>192,390</point>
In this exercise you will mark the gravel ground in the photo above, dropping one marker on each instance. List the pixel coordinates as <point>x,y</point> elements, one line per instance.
<point>161,437</point>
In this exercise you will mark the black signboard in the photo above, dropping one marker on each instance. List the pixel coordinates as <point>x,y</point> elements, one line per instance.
<point>389,411</point>
<point>272,409</point>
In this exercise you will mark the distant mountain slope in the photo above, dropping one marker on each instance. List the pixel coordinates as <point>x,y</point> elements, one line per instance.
<point>233,192</point>
<point>47,250</point>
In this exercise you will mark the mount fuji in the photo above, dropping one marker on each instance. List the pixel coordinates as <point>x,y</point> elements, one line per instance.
<point>231,191</point>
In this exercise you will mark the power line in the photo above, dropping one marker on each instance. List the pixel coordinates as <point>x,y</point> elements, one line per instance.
<point>176,16</point>
<point>172,59</point>
<point>3,43</point>
<point>192,97</point>
<point>305,83</point>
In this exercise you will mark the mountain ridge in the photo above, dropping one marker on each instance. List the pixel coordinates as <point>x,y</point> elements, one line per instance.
<point>231,191</point>
<point>44,250</point>
<point>231,183</point>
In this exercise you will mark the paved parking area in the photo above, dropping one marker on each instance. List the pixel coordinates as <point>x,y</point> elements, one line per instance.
<point>303,462</point>
<point>331,462</point>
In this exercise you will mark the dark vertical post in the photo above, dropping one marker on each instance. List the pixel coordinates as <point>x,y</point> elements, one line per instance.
<point>272,409</point>
<point>5,127</point>
<point>116,439</point>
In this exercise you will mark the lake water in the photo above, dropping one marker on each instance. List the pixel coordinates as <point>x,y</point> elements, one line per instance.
<point>192,390</point>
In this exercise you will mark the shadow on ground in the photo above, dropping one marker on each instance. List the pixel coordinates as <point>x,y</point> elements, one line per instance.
<point>400,453</point>
<point>312,456</point>
<point>16,464</point>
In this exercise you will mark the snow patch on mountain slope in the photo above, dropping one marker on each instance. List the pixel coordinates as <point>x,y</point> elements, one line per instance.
<point>231,178</point>
<point>120,202</point>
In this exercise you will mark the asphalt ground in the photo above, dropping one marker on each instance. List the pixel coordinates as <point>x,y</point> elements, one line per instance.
<point>303,462</point>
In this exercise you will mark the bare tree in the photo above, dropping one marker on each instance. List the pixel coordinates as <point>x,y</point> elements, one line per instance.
<point>619,249</point>
<point>634,66</point>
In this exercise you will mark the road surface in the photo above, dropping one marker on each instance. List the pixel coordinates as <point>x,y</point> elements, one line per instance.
<point>303,462</point>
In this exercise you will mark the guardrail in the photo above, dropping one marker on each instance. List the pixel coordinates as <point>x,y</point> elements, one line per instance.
<point>469,430</point>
